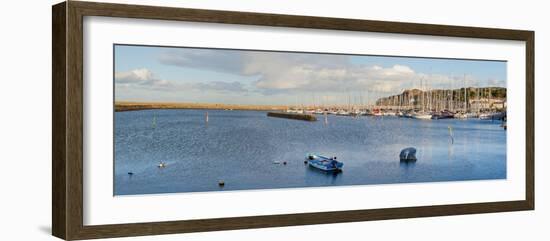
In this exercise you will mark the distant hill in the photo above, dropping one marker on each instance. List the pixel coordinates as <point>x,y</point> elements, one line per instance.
<point>457,95</point>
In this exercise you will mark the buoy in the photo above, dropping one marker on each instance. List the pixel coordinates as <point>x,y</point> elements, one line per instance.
<point>284,163</point>
<point>221,183</point>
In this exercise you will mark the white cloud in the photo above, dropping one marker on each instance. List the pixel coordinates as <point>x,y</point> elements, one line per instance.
<point>282,72</point>
<point>140,77</point>
<point>290,73</point>
<point>136,75</point>
<point>146,79</point>
<point>283,75</point>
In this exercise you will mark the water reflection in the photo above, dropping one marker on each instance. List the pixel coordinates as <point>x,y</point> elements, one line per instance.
<point>450,152</point>
<point>407,164</point>
<point>323,176</point>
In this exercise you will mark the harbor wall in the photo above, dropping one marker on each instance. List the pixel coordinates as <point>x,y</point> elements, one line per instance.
<point>294,116</point>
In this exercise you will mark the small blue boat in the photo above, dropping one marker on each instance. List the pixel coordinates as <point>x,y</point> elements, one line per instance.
<point>324,163</point>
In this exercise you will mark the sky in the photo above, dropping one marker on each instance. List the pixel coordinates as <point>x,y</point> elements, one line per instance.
<point>200,75</point>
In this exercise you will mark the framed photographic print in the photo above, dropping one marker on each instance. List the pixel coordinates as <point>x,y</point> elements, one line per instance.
<point>170,120</point>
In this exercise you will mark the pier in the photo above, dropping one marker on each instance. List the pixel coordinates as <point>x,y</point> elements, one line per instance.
<point>294,116</point>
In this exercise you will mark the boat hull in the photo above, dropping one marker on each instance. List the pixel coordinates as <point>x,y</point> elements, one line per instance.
<point>324,164</point>
<point>493,116</point>
<point>443,115</point>
<point>422,116</point>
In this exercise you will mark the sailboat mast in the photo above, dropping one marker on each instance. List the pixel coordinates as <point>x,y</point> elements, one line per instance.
<point>465,93</point>
<point>423,96</point>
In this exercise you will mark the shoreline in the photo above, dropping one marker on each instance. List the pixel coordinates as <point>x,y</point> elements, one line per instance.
<point>136,106</point>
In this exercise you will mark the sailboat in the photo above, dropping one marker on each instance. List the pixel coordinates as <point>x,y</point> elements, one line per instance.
<point>492,116</point>
<point>443,115</point>
<point>423,115</point>
<point>342,112</point>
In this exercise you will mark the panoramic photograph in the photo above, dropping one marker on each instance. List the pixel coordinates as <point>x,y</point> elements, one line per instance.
<point>192,119</point>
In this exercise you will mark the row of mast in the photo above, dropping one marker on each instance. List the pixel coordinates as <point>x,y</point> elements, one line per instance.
<point>426,100</point>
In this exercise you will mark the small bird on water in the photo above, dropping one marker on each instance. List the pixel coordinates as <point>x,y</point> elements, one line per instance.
<point>162,165</point>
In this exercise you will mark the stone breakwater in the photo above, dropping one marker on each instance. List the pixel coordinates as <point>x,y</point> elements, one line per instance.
<point>294,116</point>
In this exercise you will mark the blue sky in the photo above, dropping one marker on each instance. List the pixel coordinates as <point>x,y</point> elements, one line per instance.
<point>147,73</point>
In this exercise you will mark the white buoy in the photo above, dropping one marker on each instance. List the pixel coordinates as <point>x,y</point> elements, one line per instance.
<point>162,165</point>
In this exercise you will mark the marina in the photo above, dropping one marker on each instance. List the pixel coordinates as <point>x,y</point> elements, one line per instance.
<point>487,103</point>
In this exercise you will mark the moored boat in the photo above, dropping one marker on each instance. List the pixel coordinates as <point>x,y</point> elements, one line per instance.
<point>319,112</point>
<point>422,116</point>
<point>342,112</point>
<point>324,163</point>
<point>492,116</point>
<point>443,115</point>
<point>376,112</point>
<point>408,114</point>
<point>408,154</point>
<point>356,113</point>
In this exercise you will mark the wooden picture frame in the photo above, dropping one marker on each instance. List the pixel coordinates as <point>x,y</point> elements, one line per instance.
<point>67,124</point>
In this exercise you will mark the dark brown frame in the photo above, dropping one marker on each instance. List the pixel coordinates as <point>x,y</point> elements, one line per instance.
<point>67,122</point>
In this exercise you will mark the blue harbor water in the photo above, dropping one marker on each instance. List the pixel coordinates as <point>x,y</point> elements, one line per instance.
<point>247,149</point>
